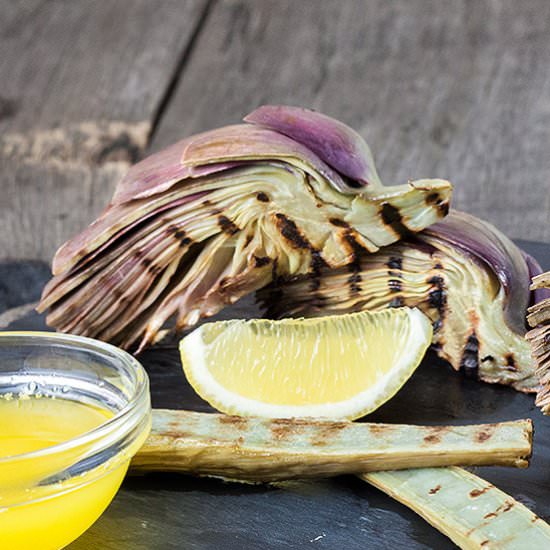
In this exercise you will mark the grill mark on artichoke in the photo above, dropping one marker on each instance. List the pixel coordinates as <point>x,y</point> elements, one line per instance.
<point>339,223</point>
<point>179,234</point>
<point>354,281</point>
<point>398,301</point>
<point>352,245</point>
<point>395,266</point>
<point>510,362</point>
<point>474,493</point>
<point>434,490</point>
<point>437,298</point>
<point>508,505</point>
<point>436,434</point>
<point>239,422</point>
<point>262,197</point>
<point>290,231</point>
<point>484,435</point>
<point>227,226</point>
<point>395,285</point>
<point>260,261</point>
<point>224,223</point>
<point>282,428</point>
<point>392,217</point>
<point>317,261</point>
<point>469,363</point>
<point>328,432</point>
<point>441,204</point>
<point>274,275</point>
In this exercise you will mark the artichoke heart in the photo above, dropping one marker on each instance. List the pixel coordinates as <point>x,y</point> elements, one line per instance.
<point>539,336</point>
<point>462,272</point>
<point>221,214</point>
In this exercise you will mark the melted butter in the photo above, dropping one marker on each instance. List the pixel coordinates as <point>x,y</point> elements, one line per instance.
<point>35,515</point>
<point>31,424</point>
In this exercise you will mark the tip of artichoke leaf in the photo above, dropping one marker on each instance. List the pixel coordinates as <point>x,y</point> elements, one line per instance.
<point>430,184</point>
<point>425,187</point>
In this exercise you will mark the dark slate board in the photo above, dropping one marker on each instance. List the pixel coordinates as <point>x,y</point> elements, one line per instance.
<point>175,511</point>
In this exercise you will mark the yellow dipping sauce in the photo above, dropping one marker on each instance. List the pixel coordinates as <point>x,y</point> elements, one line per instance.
<point>36,515</point>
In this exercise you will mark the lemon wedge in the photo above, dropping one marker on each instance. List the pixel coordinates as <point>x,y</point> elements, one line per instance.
<point>342,366</point>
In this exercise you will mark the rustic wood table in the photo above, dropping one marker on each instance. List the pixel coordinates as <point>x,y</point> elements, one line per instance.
<point>458,89</point>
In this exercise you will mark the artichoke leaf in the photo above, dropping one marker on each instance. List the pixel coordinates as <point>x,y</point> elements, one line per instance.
<point>462,272</point>
<point>219,215</point>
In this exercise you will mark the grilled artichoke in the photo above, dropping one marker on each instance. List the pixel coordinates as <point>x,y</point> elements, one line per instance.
<point>539,337</point>
<point>216,216</point>
<point>462,272</point>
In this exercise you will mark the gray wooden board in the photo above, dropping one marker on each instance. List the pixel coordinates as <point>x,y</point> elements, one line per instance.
<point>81,86</point>
<point>162,512</point>
<point>449,88</point>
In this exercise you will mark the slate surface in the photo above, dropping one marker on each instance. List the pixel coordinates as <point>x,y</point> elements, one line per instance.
<point>163,512</point>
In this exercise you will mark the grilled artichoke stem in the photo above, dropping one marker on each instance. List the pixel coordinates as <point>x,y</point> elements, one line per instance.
<point>256,449</point>
<point>473,513</point>
<point>477,302</point>
<point>539,338</point>
<point>221,214</point>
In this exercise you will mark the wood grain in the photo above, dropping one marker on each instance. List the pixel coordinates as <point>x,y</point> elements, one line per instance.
<point>453,89</point>
<point>81,87</point>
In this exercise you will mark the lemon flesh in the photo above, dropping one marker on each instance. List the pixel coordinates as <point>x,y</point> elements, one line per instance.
<point>342,366</point>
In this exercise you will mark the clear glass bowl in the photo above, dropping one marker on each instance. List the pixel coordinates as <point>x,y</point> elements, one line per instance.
<point>50,496</point>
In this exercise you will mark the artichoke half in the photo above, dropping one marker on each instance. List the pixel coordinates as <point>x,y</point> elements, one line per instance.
<point>539,336</point>
<point>462,272</point>
<point>221,214</point>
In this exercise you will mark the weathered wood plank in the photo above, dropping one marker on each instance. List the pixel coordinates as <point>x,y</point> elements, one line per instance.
<point>81,86</point>
<point>454,89</point>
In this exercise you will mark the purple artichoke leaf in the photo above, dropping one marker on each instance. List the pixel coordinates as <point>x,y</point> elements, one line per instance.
<point>334,142</point>
<point>484,242</point>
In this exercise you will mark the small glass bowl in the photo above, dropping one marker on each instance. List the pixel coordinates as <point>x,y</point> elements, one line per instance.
<point>50,496</point>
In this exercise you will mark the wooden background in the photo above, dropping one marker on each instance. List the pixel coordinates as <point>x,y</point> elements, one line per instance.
<point>458,89</point>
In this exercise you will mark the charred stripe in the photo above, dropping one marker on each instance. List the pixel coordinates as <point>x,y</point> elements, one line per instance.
<point>260,261</point>
<point>395,285</point>
<point>392,217</point>
<point>397,302</point>
<point>227,226</point>
<point>469,363</point>
<point>354,282</point>
<point>510,362</point>
<point>437,297</point>
<point>338,222</point>
<point>289,230</point>
<point>441,204</point>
